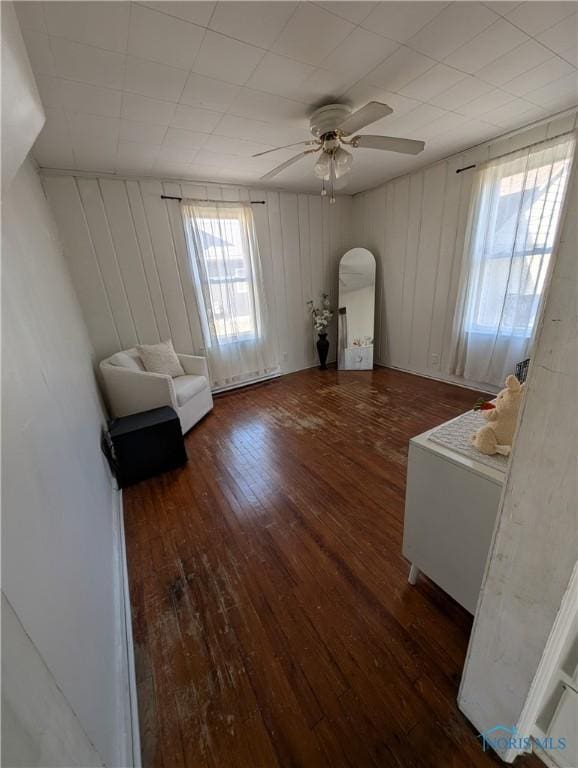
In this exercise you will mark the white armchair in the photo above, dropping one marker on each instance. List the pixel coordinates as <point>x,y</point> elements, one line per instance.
<point>131,389</point>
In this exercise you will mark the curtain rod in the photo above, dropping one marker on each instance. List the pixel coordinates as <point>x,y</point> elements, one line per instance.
<point>514,151</point>
<point>208,200</point>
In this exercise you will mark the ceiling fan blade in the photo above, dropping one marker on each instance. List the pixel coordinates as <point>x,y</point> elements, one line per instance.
<point>372,111</point>
<point>286,164</point>
<point>285,146</point>
<point>390,144</point>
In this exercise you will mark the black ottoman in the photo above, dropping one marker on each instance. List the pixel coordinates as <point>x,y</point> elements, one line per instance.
<point>146,444</point>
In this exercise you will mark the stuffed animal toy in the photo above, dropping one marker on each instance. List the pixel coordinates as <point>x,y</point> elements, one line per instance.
<point>497,435</point>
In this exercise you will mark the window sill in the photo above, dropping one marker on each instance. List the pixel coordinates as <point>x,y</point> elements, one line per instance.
<point>238,340</point>
<point>493,333</point>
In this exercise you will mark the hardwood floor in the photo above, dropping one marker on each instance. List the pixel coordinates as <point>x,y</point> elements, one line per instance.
<point>273,621</point>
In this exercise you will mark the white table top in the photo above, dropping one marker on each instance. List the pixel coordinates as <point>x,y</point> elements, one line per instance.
<point>492,474</point>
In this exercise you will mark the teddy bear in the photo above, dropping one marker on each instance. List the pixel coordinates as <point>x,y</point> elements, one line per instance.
<point>497,435</point>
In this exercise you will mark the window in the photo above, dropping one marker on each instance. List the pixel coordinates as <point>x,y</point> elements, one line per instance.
<point>228,280</point>
<point>518,242</point>
<point>515,212</point>
<point>228,269</point>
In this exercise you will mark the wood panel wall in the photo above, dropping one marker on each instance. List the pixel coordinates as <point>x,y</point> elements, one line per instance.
<point>126,250</point>
<point>127,254</point>
<point>415,225</point>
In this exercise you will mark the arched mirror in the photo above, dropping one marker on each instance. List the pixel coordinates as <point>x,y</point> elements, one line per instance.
<point>356,310</point>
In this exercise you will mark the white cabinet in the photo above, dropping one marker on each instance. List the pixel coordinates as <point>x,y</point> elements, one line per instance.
<point>451,505</point>
<point>359,358</point>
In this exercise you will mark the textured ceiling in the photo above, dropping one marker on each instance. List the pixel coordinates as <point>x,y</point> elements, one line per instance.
<point>192,89</point>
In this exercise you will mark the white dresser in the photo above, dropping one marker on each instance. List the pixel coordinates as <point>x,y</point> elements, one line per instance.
<point>451,505</point>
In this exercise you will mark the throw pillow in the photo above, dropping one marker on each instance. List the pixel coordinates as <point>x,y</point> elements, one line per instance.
<point>161,358</point>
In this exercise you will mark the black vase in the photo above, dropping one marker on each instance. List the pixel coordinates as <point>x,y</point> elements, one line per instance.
<point>322,350</point>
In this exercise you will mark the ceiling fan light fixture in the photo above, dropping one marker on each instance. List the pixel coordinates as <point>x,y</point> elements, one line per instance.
<point>342,161</point>
<point>322,167</point>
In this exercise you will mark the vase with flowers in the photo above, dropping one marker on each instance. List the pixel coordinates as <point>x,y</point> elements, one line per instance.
<point>322,316</point>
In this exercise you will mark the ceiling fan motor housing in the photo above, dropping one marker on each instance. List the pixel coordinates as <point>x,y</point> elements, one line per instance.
<point>328,119</point>
<point>333,126</point>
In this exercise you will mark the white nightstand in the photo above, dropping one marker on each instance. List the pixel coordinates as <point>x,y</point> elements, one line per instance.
<point>451,505</point>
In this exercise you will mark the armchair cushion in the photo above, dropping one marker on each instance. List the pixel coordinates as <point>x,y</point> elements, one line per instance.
<point>160,358</point>
<point>188,386</point>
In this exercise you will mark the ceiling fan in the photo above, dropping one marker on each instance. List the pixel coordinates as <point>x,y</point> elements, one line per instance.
<point>333,127</point>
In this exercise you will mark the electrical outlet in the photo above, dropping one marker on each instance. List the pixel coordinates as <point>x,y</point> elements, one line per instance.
<point>435,360</point>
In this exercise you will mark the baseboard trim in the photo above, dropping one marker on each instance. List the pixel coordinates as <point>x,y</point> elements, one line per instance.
<point>456,381</point>
<point>129,746</point>
<point>243,384</point>
<point>265,379</point>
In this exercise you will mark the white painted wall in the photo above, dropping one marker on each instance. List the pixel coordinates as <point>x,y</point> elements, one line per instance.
<point>535,544</point>
<point>127,254</point>
<point>59,511</point>
<point>38,724</point>
<point>415,226</point>
<point>22,112</point>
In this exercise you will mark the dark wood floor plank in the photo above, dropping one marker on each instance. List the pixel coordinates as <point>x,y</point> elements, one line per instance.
<point>272,618</point>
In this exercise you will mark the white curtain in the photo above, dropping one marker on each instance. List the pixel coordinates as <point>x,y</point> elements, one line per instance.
<point>230,293</point>
<point>513,222</point>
